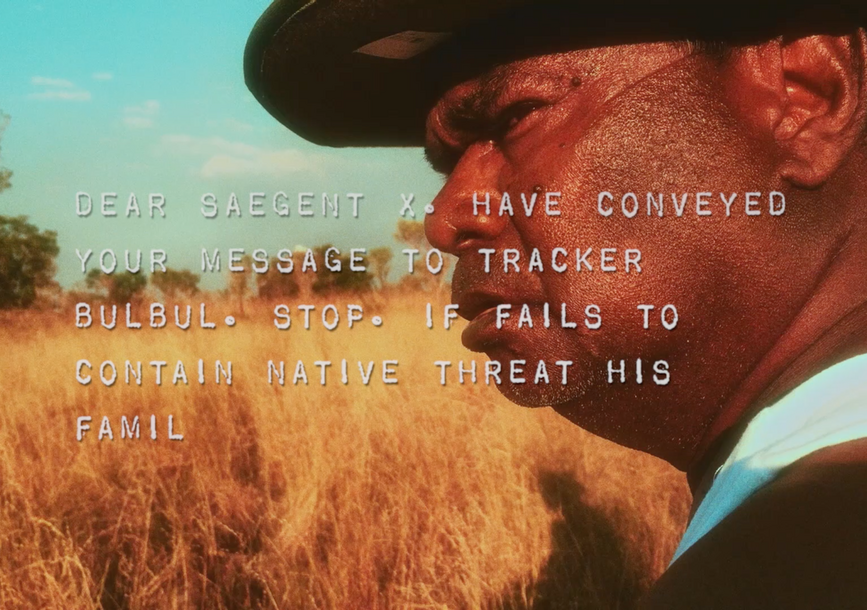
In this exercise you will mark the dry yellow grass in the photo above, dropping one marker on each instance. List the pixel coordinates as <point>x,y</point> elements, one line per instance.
<point>343,497</point>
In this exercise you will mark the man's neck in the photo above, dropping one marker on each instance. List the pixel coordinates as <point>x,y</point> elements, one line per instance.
<point>831,327</point>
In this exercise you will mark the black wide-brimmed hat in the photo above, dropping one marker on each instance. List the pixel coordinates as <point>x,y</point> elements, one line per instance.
<point>366,72</point>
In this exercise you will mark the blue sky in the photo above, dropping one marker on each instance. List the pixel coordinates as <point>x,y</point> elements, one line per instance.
<point>142,97</point>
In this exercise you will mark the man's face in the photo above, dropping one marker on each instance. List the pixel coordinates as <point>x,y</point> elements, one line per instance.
<point>641,118</point>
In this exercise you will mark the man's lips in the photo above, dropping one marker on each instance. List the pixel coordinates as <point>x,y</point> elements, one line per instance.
<point>478,293</point>
<point>474,303</point>
<point>475,291</point>
<point>480,308</point>
<point>481,333</point>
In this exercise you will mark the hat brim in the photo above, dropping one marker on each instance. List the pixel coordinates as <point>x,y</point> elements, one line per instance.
<point>345,72</point>
<point>302,64</point>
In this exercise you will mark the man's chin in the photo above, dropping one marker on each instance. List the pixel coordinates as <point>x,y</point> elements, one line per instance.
<point>539,393</point>
<point>532,377</point>
<point>525,397</point>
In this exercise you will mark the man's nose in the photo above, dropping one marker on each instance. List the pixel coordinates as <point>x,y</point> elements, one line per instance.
<point>456,223</point>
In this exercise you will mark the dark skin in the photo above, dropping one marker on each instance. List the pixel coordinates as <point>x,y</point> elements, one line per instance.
<point>764,302</point>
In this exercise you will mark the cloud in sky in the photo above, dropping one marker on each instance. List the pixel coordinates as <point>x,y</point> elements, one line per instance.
<point>141,116</point>
<point>102,76</point>
<point>63,95</point>
<point>262,163</point>
<point>237,126</point>
<point>227,158</point>
<point>58,89</point>
<point>44,81</point>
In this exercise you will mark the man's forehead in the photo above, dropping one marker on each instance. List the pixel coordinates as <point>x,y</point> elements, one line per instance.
<point>544,79</point>
<point>553,70</point>
<point>541,71</point>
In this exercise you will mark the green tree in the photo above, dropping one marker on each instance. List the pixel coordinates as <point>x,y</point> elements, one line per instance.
<point>380,263</point>
<point>238,285</point>
<point>304,280</point>
<point>127,287</point>
<point>98,283</point>
<point>344,280</point>
<point>276,285</point>
<point>5,174</point>
<point>351,281</point>
<point>173,283</point>
<point>411,233</point>
<point>27,261</point>
<point>123,287</point>
<point>27,255</point>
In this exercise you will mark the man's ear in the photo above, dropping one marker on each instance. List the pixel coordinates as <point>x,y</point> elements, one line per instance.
<point>824,107</point>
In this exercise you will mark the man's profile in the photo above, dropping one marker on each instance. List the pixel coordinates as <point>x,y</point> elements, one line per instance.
<point>729,149</point>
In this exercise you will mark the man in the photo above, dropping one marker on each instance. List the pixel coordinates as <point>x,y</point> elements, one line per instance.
<point>714,163</point>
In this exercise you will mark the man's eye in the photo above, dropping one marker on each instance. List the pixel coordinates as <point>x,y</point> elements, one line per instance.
<point>512,116</point>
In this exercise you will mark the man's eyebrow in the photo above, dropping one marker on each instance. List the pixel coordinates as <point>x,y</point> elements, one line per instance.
<point>431,157</point>
<point>469,113</point>
<point>451,114</point>
<point>437,160</point>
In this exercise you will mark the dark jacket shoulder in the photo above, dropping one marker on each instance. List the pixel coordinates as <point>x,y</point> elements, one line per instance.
<point>799,542</point>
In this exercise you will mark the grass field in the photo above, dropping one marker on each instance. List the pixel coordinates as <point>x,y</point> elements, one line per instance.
<point>345,496</point>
